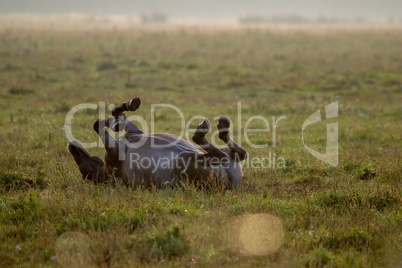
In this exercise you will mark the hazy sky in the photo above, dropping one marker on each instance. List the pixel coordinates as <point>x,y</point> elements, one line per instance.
<point>212,9</point>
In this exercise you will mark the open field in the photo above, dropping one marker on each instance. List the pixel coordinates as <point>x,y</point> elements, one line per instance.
<point>344,216</point>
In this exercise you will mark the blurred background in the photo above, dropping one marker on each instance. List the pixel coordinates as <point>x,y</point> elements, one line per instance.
<point>258,59</point>
<point>253,11</point>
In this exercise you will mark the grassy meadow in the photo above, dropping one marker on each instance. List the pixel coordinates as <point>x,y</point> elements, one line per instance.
<point>344,216</point>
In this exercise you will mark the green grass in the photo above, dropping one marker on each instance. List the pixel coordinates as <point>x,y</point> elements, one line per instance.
<point>333,217</point>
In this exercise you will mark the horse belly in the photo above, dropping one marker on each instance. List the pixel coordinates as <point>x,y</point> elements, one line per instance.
<point>149,166</point>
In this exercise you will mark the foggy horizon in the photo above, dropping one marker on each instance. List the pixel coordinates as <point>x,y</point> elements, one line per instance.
<point>212,10</point>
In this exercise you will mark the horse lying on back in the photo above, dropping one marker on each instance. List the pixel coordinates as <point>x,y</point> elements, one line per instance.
<point>159,159</point>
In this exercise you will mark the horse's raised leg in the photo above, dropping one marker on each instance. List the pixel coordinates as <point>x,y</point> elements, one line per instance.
<point>235,150</point>
<point>199,139</point>
<point>119,120</point>
<point>131,105</point>
<point>121,123</point>
<point>199,167</point>
<point>115,149</point>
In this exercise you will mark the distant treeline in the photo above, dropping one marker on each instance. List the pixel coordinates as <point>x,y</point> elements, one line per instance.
<point>297,19</point>
<point>153,17</point>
